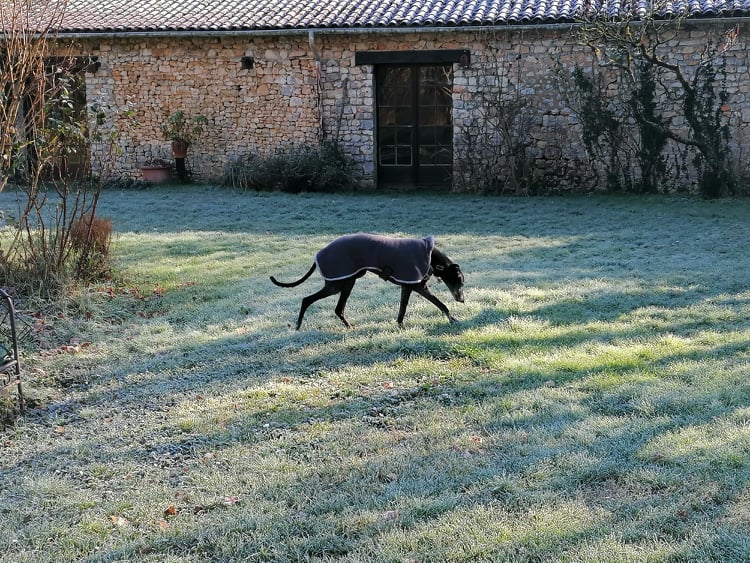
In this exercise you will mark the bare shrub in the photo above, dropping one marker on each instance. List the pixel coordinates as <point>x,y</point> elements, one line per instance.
<point>91,238</point>
<point>57,149</point>
<point>494,151</point>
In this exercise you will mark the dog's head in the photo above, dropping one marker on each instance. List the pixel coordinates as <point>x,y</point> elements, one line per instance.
<point>452,276</point>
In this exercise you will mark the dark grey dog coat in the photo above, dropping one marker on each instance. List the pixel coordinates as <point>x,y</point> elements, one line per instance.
<point>402,260</point>
<point>405,262</point>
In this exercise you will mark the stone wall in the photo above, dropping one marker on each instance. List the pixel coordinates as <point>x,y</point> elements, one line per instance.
<point>256,109</point>
<point>260,93</point>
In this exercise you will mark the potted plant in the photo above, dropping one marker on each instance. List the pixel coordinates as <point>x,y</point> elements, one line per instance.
<point>183,131</point>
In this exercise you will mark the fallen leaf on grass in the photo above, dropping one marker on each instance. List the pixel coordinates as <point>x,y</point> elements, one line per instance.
<point>391,515</point>
<point>74,346</point>
<point>202,508</point>
<point>119,521</point>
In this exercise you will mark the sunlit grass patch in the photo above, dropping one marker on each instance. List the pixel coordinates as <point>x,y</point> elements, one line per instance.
<point>493,533</point>
<point>724,441</point>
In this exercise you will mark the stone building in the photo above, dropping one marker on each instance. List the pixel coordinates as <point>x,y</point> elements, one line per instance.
<point>416,91</point>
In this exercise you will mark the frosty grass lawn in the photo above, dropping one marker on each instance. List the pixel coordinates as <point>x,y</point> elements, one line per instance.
<point>593,404</point>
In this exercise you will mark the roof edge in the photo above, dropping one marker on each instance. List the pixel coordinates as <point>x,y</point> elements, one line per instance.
<point>516,26</point>
<point>305,31</point>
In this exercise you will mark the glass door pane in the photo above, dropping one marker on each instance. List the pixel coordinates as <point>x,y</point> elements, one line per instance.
<point>415,124</point>
<point>395,122</point>
<point>435,116</point>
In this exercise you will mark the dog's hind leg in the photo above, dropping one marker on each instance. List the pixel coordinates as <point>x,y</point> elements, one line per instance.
<point>327,290</point>
<point>346,291</point>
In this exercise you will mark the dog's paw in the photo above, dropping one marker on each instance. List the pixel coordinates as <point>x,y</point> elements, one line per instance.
<point>453,319</point>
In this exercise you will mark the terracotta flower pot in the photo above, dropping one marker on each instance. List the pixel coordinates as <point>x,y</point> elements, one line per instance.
<point>179,149</point>
<point>158,174</point>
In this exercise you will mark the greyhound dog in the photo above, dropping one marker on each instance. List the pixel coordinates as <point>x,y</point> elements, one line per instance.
<point>406,262</point>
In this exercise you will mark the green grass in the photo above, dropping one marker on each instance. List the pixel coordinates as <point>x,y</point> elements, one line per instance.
<point>593,403</point>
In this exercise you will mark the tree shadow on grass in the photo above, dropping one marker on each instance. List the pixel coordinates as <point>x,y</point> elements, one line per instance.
<point>520,464</point>
<point>521,455</point>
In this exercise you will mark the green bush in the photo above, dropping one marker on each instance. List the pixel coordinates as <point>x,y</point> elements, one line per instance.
<point>304,168</point>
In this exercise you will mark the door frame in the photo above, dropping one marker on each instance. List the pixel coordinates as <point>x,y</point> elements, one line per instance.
<point>406,58</point>
<point>422,121</point>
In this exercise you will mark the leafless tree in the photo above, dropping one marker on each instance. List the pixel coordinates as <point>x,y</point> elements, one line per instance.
<point>494,148</point>
<point>639,47</point>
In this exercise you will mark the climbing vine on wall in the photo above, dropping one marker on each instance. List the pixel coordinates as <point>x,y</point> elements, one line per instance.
<point>640,96</point>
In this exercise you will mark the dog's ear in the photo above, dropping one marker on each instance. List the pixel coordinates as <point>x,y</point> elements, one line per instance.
<point>455,270</point>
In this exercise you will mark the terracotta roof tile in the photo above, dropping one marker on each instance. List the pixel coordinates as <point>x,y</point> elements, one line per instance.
<point>221,15</point>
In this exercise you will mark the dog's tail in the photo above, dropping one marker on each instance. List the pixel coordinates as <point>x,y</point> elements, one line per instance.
<point>299,281</point>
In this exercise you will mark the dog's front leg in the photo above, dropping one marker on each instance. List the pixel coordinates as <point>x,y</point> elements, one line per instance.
<point>425,292</point>
<point>405,294</point>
